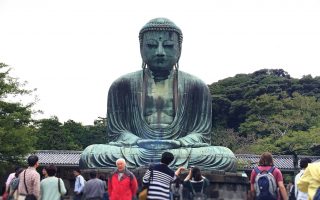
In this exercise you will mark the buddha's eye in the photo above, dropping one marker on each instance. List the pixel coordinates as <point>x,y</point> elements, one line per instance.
<point>151,44</point>
<point>168,44</point>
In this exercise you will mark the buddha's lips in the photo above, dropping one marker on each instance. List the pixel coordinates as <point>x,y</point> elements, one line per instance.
<point>160,59</point>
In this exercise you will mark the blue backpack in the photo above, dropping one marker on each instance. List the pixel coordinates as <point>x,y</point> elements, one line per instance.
<point>265,184</point>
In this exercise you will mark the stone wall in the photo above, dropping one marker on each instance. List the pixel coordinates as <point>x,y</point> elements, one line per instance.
<point>227,186</point>
<point>223,185</point>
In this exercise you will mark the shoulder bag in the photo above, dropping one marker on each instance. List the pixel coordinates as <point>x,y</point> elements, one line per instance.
<point>61,197</point>
<point>144,193</point>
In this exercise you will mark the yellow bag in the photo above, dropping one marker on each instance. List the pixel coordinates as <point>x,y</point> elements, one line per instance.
<point>143,194</point>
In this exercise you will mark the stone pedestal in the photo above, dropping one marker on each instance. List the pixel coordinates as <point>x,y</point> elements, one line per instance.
<point>223,185</point>
<point>227,186</point>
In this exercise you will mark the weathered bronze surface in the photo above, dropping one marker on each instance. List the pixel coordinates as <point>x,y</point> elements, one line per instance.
<point>157,109</point>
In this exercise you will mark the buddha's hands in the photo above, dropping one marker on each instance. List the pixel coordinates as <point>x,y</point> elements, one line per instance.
<point>200,144</point>
<point>125,140</point>
<point>158,144</point>
<point>193,140</point>
<point>194,145</point>
<point>129,143</point>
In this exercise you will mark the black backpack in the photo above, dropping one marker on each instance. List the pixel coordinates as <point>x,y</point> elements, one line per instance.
<point>198,195</point>
<point>14,183</point>
<point>292,195</point>
<point>176,188</point>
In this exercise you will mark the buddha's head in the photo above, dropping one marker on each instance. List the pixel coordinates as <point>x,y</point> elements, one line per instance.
<point>160,45</point>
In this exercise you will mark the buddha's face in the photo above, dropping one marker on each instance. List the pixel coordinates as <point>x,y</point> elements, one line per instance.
<point>160,50</point>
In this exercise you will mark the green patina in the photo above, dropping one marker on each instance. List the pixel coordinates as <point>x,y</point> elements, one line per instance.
<point>157,109</point>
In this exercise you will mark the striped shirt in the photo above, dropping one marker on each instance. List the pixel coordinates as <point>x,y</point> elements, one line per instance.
<point>159,187</point>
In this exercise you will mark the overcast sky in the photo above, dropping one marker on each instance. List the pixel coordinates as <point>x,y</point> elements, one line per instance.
<point>72,50</point>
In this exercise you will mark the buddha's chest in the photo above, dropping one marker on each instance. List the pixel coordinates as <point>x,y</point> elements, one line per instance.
<point>159,103</point>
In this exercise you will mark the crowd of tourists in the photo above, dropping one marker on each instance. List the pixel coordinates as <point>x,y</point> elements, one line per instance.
<point>25,184</point>
<point>159,182</point>
<point>266,181</point>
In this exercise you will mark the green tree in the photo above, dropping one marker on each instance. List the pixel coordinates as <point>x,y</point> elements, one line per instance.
<point>231,139</point>
<point>97,134</point>
<point>236,92</point>
<point>271,115</point>
<point>52,135</point>
<point>75,131</point>
<point>87,135</point>
<point>70,135</point>
<point>293,143</point>
<point>261,145</point>
<point>16,130</point>
<point>299,142</point>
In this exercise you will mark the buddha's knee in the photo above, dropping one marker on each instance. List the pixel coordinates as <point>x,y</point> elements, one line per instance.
<point>99,155</point>
<point>215,157</point>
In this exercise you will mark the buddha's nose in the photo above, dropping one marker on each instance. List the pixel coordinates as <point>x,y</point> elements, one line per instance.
<point>160,51</point>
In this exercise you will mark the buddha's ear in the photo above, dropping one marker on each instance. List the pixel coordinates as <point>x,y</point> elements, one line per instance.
<point>179,56</point>
<point>144,65</point>
<point>142,57</point>
<point>177,63</point>
<point>141,52</point>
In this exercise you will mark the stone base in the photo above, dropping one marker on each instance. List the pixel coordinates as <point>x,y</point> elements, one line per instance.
<point>223,185</point>
<point>227,186</point>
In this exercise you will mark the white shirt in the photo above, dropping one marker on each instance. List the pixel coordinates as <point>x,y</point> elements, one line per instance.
<point>299,195</point>
<point>10,177</point>
<point>79,184</point>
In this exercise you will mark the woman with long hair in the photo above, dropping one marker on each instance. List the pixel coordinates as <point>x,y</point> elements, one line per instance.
<point>195,183</point>
<point>266,165</point>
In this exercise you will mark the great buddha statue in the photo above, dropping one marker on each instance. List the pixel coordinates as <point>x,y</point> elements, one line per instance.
<point>159,108</point>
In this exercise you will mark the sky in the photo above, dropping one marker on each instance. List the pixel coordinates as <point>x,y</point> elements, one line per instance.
<point>72,50</point>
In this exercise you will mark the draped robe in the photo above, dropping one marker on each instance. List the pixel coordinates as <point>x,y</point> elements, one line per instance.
<point>191,126</point>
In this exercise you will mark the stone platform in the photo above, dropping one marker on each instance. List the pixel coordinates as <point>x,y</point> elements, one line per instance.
<point>223,185</point>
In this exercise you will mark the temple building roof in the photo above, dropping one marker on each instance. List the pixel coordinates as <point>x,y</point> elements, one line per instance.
<point>69,158</point>
<point>285,162</point>
<point>59,157</point>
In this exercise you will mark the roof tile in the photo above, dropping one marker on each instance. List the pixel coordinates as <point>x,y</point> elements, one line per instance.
<point>246,161</point>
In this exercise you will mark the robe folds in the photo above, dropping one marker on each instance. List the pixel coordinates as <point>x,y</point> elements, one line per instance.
<point>191,126</point>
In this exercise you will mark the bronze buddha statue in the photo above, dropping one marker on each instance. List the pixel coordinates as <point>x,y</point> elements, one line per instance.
<point>157,109</point>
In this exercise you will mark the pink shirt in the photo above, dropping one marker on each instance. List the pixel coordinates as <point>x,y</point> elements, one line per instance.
<point>32,182</point>
<point>276,173</point>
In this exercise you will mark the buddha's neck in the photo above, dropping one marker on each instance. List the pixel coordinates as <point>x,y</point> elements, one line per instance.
<point>159,77</point>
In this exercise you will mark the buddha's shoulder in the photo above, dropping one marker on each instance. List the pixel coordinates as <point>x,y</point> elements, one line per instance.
<point>190,78</point>
<point>129,77</point>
